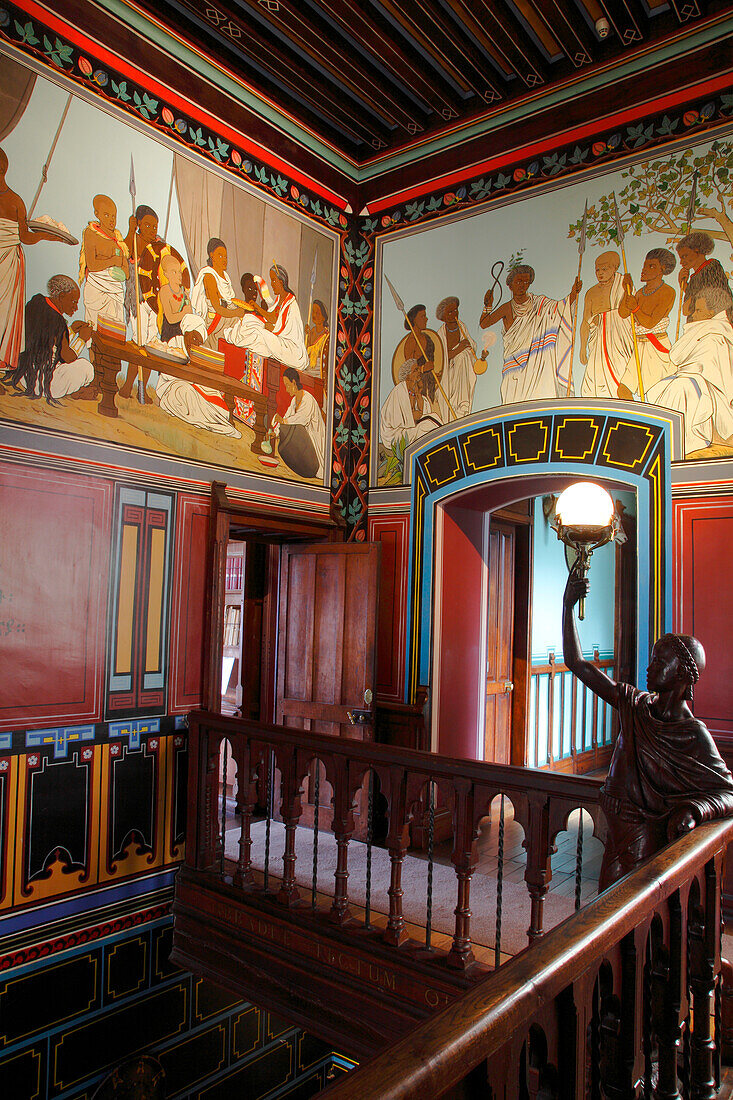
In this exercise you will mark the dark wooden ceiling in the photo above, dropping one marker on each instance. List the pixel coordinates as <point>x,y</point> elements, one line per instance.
<point>372,76</point>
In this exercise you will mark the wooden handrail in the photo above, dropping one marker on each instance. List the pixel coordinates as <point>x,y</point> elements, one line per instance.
<point>442,1051</point>
<point>584,789</point>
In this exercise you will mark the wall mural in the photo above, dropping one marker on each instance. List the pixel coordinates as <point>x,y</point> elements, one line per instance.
<point>147,300</point>
<point>615,287</point>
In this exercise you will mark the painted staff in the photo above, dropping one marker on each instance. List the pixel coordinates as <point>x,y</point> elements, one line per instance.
<point>620,242</point>
<point>44,171</point>
<point>313,284</point>
<point>133,196</point>
<point>690,215</point>
<point>576,303</point>
<point>401,307</point>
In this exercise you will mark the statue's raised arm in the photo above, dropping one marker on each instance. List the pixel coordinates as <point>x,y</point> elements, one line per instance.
<point>588,673</point>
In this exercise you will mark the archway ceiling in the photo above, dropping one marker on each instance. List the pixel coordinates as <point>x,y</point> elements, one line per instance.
<point>371,77</point>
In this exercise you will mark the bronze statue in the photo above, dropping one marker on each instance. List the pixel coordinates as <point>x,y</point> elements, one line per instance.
<point>666,775</point>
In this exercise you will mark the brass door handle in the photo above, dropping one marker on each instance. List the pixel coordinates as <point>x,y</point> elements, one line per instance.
<point>508,686</point>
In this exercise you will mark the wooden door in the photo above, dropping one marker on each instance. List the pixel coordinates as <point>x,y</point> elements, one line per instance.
<point>499,643</point>
<point>327,622</point>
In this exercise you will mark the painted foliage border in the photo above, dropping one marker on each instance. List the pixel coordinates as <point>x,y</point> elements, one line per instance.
<point>125,89</point>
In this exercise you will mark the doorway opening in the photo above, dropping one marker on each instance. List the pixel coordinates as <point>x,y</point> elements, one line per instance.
<point>502,691</point>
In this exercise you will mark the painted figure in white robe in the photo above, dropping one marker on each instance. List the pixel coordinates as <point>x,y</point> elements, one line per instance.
<point>14,233</point>
<point>606,340</point>
<point>650,308</point>
<point>212,296</point>
<point>537,339</point>
<point>278,333</point>
<point>301,432</point>
<point>180,329</point>
<point>459,358</point>
<point>407,413</point>
<point>103,265</point>
<point>701,386</point>
<point>50,365</point>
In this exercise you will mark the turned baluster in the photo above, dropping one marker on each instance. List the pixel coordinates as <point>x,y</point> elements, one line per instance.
<point>539,850</point>
<point>667,974</point>
<point>702,932</point>
<point>246,797</point>
<point>343,829</point>
<point>397,842</point>
<point>463,858</point>
<point>291,809</point>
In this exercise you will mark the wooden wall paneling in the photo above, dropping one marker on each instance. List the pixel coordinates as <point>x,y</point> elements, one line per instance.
<point>133,802</point>
<point>55,548</point>
<point>392,534</point>
<point>58,823</point>
<point>187,605</point>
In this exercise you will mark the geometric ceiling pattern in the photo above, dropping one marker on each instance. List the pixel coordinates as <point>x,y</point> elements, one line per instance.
<point>369,77</point>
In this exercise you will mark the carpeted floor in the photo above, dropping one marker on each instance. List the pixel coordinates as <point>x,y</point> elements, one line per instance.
<point>515,899</point>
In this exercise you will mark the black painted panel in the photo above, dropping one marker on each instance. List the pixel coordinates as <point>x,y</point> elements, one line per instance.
<point>48,996</point>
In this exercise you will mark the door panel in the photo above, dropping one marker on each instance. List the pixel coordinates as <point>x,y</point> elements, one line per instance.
<point>499,643</point>
<point>327,636</point>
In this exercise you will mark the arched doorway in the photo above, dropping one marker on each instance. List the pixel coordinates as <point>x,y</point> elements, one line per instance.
<point>493,461</point>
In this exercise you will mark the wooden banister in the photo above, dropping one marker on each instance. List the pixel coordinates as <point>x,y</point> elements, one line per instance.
<point>443,1051</point>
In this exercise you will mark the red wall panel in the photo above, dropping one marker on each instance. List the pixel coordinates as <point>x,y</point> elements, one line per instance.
<point>53,588</point>
<point>704,602</point>
<point>189,588</point>
<point>391,532</point>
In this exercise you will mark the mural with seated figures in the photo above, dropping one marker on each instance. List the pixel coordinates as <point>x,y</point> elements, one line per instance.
<point>147,300</point>
<point>614,287</point>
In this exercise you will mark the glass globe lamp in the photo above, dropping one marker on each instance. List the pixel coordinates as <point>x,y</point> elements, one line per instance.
<point>585,518</point>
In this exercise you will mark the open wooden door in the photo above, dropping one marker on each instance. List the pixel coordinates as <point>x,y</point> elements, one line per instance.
<point>327,623</point>
<point>500,644</point>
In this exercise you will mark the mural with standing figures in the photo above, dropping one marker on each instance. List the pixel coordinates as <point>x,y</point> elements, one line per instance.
<point>150,301</point>
<point>614,287</point>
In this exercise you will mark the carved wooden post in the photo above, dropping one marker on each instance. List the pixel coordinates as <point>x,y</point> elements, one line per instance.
<point>460,955</point>
<point>539,849</point>
<point>665,996</point>
<point>202,835</point>
<point>702,937</point>
<point>397,840</point>
<point>218,537</point>
<point>343,830</point>
<point>290,809</point>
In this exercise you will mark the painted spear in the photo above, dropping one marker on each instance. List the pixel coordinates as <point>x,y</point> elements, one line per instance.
<point>313,284</point>
<point>133,197</point>
<point>620,243</point>
<point>581,250</point>
<point>689,218</point>
<point>401,307</point>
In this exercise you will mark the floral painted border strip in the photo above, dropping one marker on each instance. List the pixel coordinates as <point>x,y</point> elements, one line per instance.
<point>352,376</point>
